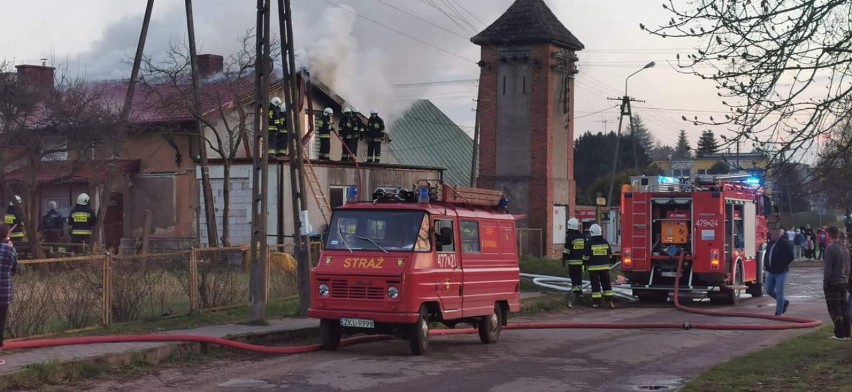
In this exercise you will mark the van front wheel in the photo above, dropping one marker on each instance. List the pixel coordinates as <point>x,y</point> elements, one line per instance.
<point>490,326</point>
<point>418,334</point>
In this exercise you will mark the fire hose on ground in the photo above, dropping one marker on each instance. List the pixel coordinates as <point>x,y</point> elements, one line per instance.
<point>788,323</point>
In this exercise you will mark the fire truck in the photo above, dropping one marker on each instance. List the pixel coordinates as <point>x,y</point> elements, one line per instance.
<point>406,259</point>
<point>717,224</point>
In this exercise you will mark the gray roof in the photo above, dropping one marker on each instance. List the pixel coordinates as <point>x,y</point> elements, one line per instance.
<point>425,136</point>
<point>527,22</point>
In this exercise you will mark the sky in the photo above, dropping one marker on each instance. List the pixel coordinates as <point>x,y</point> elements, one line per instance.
<point>384,54</point>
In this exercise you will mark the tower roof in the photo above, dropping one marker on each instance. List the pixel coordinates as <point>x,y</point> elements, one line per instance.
<point>527,22</point>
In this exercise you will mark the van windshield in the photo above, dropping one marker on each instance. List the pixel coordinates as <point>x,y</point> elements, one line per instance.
<point>380,230</point>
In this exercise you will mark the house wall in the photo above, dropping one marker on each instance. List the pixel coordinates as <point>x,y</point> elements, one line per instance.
<point>328,176</point>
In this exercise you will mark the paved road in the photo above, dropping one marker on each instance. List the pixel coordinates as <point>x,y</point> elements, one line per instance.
<point>529,360</point>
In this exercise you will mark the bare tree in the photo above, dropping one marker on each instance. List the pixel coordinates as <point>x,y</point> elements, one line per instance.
<point>225,110</point>
<point>782,67</point>
<point>18,107</point>
<point>833,172</point>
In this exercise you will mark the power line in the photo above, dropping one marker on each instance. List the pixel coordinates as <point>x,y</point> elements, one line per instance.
<point>422,19</point>
<point>436,82</point>
<point>400,32</point>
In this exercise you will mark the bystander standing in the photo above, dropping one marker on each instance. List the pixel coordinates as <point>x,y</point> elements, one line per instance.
<point>8,267</point>
<point>779,255</point>
<point>835,282</point>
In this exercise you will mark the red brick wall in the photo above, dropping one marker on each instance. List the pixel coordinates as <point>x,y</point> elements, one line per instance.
<point>35,76</point>
<point>487,119</point>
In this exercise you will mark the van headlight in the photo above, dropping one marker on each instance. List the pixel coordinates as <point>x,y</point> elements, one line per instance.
<point>323,290</point>
<point>393,292</point>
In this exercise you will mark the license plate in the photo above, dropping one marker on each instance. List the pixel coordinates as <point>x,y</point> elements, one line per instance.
<point>668,274</point>
<point>357,323</point>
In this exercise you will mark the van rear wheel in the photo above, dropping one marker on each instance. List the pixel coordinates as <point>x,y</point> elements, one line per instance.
<point>490,326</point>
<point>329,334</point>
<point>418,334</point>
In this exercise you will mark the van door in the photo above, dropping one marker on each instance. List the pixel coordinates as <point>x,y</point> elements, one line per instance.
<point>448,272</point>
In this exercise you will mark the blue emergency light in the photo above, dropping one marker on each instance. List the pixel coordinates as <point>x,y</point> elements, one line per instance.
<point>423,194</point>
<point>351,194</point>
<point>753,181</point>
<point>503,204</point>
<point>667,180</point>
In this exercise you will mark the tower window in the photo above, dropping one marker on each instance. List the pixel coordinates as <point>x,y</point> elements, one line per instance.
<point>525,85</point>
<point>504,85</point>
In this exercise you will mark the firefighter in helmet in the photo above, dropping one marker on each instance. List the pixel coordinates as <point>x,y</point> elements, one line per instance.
<point>347,132</point>
<point>324,129</point>
<point>375,136</point>
<point>14,218</point>
<point>283,132</point>
<point>273,125</point>
<point>572,255</point>
<point>360,130</point>
<point>597,256</point>
<point>81,221</point>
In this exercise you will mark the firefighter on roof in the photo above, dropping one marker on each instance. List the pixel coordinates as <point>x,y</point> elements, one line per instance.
<point>273,125</point>
<point>375,135</point>
<point>597,256</point>
<point>14,217</point>
<point>324,128</point>
<point>360,130</point>
<point>347,133</point>
<point>283,132</point>
<point>575,245</point>
<point>82,221</point>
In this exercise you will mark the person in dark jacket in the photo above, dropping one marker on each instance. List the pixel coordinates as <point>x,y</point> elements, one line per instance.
<point>835,281</point>
<point>51,223</point>
<point>779,255</point>
<point>575,245</point>
<point>82,221</point>
<point>14,218</point>
<point>8,267</point>
<point>375,136</point>
<point>272,125</point>
<point>324,128</point>
<point>597,255</point>
<point>348,122</point>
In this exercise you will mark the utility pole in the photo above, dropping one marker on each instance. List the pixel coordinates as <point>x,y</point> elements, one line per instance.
<point>302,248</point>
<point>209,213</point>
<point>625,111</point>
<point>260,172</point>
<point>475,140</point>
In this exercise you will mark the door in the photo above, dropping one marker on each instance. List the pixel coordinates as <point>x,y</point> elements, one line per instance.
<point>114,222</point>
<point>448,272</point>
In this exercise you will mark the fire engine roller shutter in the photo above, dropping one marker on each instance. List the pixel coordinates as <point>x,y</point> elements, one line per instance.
<point>750,229</point>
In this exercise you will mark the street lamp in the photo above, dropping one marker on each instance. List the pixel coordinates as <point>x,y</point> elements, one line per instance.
<point>625,110</point>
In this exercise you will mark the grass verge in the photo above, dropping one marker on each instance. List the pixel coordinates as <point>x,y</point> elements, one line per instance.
<point>811,362</point>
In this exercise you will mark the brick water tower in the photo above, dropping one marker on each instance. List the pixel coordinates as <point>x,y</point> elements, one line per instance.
<point>526,117</point>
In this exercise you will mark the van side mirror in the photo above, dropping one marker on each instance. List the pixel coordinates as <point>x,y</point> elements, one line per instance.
<point>445,236</point>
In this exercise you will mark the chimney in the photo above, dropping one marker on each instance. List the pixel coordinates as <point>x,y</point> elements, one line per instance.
<point>209,65</point>
<point>36,76</point>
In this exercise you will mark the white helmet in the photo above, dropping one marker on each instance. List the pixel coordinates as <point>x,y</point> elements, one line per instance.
<point>347,110</point>
<point>595,230</point>
<point>355,109</point>
<point>275,101</point>
<point>374,111</point>
<point>573,224</point>
<point>18,199</point>
<point>282,107</point>
<point>328,111</point>
<point>83,199</point>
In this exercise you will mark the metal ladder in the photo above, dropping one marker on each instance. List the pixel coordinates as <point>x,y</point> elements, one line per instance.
<point>639,240</point>
<point>316,191</point>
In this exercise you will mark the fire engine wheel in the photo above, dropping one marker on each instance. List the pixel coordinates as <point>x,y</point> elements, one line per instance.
<point>418,337</point>
<point>329,334</point>
<point>490,326</point>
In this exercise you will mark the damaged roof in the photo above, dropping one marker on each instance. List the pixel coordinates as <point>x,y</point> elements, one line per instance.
<point>527,22</point>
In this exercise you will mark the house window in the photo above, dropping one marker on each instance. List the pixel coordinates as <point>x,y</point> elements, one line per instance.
<point>55,149</point>
<point>337,196</point>
<point>702,171</point>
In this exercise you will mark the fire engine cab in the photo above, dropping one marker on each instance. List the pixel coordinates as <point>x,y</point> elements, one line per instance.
<point>405,259</point>
<point>717,224</point>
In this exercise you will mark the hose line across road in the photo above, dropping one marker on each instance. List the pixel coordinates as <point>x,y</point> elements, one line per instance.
<point>779,323</point>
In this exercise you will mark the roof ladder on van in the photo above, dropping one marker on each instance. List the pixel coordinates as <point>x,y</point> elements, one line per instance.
<point>639,240</point>
<point>316,191</point>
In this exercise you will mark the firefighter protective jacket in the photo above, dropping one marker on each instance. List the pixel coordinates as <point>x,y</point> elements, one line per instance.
<point>597,254</point>
<point>348,125</point>
<point>575,245</point>
<point>324,127</point>
<point>82,220</point>
<point>276,120</point>
<point>375,129</point>
<point>14,217</point>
